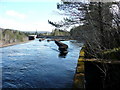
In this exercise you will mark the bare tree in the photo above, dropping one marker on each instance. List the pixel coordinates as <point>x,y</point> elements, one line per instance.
<point>96,19</point>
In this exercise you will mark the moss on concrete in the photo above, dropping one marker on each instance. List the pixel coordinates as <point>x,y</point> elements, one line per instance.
<point>91,70</point>
<point>111,54</point>
<point>79,76</point>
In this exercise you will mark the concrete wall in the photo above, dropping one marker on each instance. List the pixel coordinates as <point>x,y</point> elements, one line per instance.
<point>97,74</point>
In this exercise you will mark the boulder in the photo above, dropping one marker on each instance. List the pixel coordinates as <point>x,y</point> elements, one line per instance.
<point>62,47</point>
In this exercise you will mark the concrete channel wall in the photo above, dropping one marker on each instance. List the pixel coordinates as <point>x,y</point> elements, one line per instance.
<point>79,78</point>
<point>97,74</point>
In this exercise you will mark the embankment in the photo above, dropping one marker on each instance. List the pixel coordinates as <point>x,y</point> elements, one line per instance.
<point>79,78</point>
<point>97,73</point>
<point>11,37</point>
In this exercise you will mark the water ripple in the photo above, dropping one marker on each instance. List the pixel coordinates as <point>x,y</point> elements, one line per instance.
<point>37,65</point>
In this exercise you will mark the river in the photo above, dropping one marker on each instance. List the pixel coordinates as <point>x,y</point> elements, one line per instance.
<point>39,65</point>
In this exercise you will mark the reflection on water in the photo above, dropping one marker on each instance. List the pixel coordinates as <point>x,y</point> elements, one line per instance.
<point>63,55</point>
<point>37,65</point>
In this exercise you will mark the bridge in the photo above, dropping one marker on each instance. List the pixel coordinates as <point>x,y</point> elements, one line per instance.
<point>56,37</point>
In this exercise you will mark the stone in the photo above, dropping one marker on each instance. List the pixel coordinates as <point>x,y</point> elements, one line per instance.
<point>62,47</point>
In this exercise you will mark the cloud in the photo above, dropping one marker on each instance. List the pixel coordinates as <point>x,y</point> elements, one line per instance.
<point>9,23</point>
<point>24,26</point>
<point>15,14</point>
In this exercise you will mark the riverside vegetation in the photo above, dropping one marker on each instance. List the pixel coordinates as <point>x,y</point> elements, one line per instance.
<point>9,37</point>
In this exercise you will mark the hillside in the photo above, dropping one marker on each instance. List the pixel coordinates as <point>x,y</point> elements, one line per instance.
<point>8,36</point>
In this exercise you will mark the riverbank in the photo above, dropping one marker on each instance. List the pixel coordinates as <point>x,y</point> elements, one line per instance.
<point>11,44</point>
<point>10,37</point>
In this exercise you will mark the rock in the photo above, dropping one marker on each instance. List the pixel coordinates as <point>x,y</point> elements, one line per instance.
<point>62,47</point>
<point>41,39</point>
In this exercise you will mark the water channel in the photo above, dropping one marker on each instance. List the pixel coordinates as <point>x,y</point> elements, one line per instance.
<point>38,64</point>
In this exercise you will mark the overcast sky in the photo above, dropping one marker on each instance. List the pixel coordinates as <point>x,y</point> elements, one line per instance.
<point>28,15</point>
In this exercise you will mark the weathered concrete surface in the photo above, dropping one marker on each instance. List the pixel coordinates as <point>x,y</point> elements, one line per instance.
<point>79,78</point>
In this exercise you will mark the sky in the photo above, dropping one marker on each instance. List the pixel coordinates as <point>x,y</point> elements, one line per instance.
<point>28,15</point>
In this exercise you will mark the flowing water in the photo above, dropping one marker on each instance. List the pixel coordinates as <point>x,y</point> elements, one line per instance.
<point>39,65</point>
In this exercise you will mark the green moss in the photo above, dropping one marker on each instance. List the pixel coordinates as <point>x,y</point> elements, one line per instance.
<point>81,59</point>
<point>79,76</point>
<point>106,54</point>
<point>111,50</point>
<point>79,81</point>
<point>112,53</point>
<point>80,69</point>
